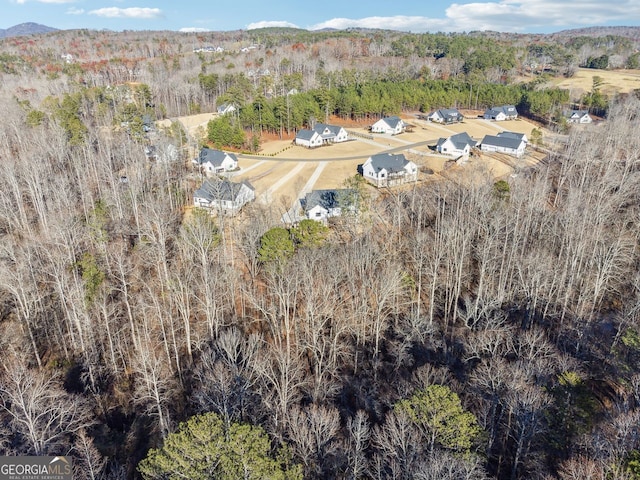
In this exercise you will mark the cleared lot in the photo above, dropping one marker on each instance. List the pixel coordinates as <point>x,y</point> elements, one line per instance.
<point>284,172</point>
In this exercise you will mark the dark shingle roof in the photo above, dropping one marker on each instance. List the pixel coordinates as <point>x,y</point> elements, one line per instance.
<point>505,142</point>
<point>449,113</point>
<point>392,121</point>
<point>321,127</point>
<point>389,161</point>
<point>508,110</point>
<point>305,134</point>
<point>214,189</point>
<point>514,135</point>
<point>460,140</point>
<point>215,157</point>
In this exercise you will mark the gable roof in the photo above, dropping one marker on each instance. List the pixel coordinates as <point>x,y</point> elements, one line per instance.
<point>576,113</point>
<point>392,121</point>
<point>459,140</point>
<point>215,189</point>
<point>514,135</point>
<point>321,127</point>
<point>451,113</point>
<point>504,142</point>
<point>326,199</point>
<point>389,162</point>
<point>508,110</point>
<point>306,134</point>
<point>214,157</point>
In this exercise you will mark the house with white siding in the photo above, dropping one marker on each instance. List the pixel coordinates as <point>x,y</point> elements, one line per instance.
<point>223,196</point>
<point>503,144</point>
<point>505,112</point>
<point>456,145</point>
<point>212,161</point>
<point>387,170</point>
<point>308,138</point>
<point>391,125</point>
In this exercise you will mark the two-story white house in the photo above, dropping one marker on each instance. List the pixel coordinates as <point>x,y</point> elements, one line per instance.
<point>223,196</point>
<point>390,125</point>
<point>386,170</point>
<point>456,145</point>
<point>212,161</point>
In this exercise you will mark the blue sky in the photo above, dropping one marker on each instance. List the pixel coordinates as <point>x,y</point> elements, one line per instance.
<point>525,16</point>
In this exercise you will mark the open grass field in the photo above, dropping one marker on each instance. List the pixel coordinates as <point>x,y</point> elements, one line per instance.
<point>615,81</point>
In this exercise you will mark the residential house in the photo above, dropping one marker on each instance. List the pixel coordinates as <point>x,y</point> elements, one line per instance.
<point>331,133</point>
<point>321,205</point>
<point>446,115</point>
<point>213,161</point>
<point>503,144</point>
<point>515,135</point>
<point>223,196</point>
<point>391,125</point>
<point>308,138</point>
<point>386,170</point>
<point>456,145</point>
<point>226,108</point>
<point>578,116</point>
<point>505,112</point>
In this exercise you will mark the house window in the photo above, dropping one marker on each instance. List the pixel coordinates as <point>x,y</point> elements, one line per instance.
<point>318,214</point>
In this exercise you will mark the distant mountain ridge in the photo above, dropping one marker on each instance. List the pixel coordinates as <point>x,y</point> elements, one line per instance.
<point>28,28</point>
<point>632,32</point>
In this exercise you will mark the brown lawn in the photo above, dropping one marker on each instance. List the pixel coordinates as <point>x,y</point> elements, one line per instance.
<point>283,172</point>
<point>615,81</point>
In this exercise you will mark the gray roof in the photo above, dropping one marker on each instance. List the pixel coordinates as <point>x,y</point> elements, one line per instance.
<point>449,113</point>
<point>505,142</point>
<point>214,189</point>
<point>214,157</point>
<point>305,134</point>
<point>577,113</point>
<point>514,135</point>
<point>460,140</point>
<point>321,127</point>
<point>389,161</point>
<point>508,110</point>
<point>327,199</point>
<point>392,121</point>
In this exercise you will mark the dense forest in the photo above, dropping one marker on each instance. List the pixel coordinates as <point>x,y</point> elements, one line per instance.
<point>462,329</point>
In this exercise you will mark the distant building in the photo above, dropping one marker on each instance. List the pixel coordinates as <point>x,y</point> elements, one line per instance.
<point>446,116</point>
<point>505,112</point>
<point>578,116</point>
<point>391,125</point>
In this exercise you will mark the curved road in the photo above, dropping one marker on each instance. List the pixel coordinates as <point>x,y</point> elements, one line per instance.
<point>335,159</point>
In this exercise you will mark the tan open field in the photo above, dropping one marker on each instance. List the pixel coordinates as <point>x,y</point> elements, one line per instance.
<point>615,81</point>
<point>283,172</point>
<point>339,164</point>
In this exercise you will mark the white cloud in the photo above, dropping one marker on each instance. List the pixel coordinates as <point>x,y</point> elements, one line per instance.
<point>504,16</point>
<point>267,24</point>
<point>193,29</point>
<point>398,22</point>
<point>75,11</point>
<point>21,2</point>
<point>132,12</point>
